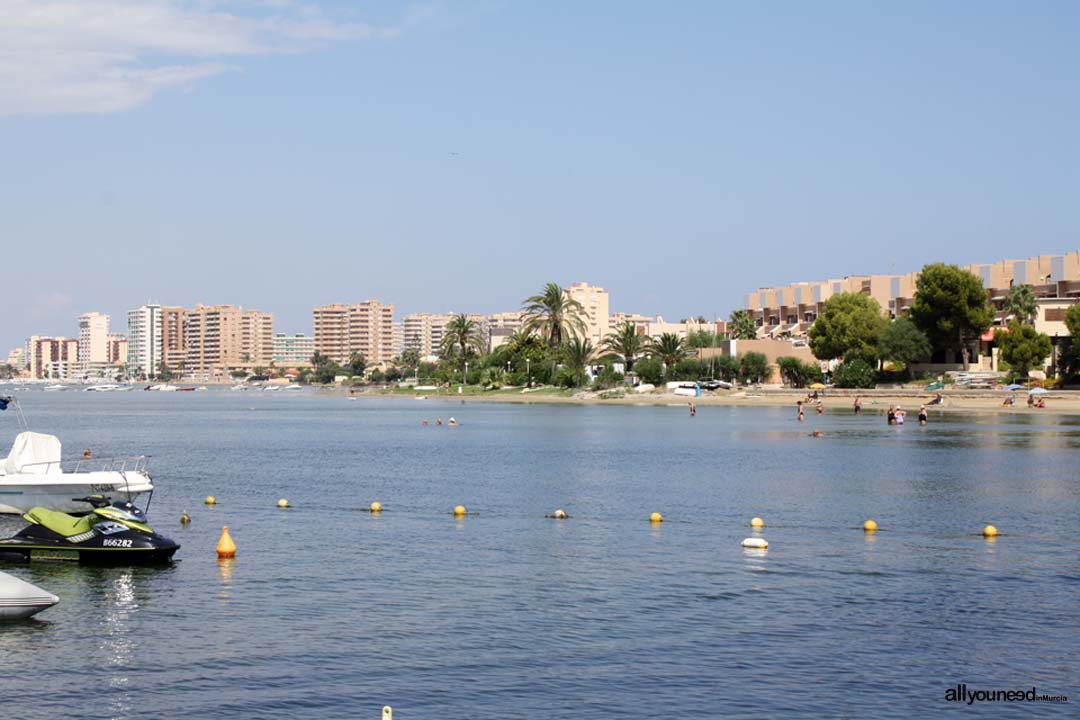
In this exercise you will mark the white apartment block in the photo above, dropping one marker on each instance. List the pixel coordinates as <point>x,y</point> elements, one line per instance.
<point>423,332</point>
<point>144,341</point>
<point>292,351</point>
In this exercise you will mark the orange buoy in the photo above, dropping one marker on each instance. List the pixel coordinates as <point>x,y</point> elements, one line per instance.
<point>226,548</point>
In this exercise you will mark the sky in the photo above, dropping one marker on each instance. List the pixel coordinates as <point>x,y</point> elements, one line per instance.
<point>459,155</point>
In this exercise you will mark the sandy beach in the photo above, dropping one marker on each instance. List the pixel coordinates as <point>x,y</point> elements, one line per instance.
<point>1057,401</point>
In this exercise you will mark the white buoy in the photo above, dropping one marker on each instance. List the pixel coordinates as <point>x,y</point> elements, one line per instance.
<point>755,543</point>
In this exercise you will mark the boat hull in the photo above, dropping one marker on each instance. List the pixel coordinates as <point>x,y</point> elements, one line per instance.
<point>20,493</point>
<point>20,600</point>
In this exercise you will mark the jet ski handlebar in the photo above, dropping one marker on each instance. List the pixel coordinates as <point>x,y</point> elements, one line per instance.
<point>97,501</point>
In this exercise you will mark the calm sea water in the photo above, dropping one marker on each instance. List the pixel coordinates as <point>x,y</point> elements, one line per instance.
<point>330,612</point>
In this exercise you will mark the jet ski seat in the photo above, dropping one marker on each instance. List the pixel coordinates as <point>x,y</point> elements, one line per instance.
<point>60,523</point>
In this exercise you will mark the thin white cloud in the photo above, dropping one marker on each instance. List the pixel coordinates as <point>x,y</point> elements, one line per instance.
<point>101,56</point>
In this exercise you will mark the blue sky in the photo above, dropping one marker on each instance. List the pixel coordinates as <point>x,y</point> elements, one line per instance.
<point>443,156</point>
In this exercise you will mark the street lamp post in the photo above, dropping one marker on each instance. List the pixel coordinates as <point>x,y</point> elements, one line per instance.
<point>528,371</point>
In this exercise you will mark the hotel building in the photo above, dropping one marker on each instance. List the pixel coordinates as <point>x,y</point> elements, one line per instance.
<point>366,327</point>
<point>52,358</point>
<point>173,354</point>
<point>423,332</point>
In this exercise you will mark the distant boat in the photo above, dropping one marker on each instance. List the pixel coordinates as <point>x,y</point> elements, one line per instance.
<point>55,388</point>
<point>294,386</point>
<point>107,387</point>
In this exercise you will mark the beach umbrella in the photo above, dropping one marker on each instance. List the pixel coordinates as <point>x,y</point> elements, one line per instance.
<point>935,386</point>
<point>1014,386</point>
<point>1037,391</point>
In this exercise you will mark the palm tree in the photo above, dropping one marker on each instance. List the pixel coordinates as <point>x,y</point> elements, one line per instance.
<point>1020,302</point>
<point>670,348</point>
<point>555,315</point>
<point>624,342</point>
<point>741,325</point>
<point>462,335</point>
<point>577,354</point>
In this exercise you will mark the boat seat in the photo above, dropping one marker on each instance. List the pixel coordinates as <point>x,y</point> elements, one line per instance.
<point>60,523</point>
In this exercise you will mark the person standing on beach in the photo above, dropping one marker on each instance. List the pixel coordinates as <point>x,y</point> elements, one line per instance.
<point>858,405</point>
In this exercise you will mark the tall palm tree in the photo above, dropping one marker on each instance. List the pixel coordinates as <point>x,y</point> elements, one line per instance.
<point>626,343</point>
<point>1020,302</point>
<point>670,348</point>
<point>555,315</point>
<point>462,335</point>
<point>577,354</point>
<point>741,325</point>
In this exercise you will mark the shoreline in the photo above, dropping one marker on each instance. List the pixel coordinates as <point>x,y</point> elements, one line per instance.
<point>1057,402</point>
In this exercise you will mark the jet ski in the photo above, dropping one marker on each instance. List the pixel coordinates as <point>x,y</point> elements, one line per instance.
<point>112,533</point>
<point>19,599</point>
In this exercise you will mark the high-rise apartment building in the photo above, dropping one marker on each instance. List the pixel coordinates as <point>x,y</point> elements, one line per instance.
<point>52,358</point>
<point>423,332</point>
<point>173,352</point>
<point>293,350</point>
<point>17,358</point>
<point>595,301</point>
<point>398,342</point>
<point>366,328</point>
<point>117,349</point>
<point>93,345</point>
<point>220,338</point>
<point>144,341</point>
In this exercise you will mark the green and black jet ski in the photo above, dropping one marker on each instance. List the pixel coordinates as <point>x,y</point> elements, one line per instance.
<point>110,534</point>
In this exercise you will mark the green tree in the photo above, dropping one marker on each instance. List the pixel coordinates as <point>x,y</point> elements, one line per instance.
<point>462,339</point>
<point>578,353</point>
<point>409,358</point>
<point>951,307</point>
<point>848,323</point>
<point>625,343</point>
<point>318,359</point>
<point>670,348</point>
<point>1023,347</point>
<point>555,316</point>
<point>741,325</point>
<point>753,368</point>
<point>357,364</point>
<point>727,367</point>
<point>904,343</point>
<point>855,373</point>
<point>327,371</point>
<point>1020,303</point>
<point>1068,363</point>
<point>164,372</point>
<point>796,373</point>
<point>650,370</point>
<point>703,339</point>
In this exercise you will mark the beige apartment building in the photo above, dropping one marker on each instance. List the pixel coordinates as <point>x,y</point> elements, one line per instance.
<point>366,327</point>
<point>423,332</point>
<point>117,349</point>
<point>51,358</point>
<point>500,326</point>
<point>220,338</point>
<point>173,350</point>
<point>595,301</point>
<point>93,345</point>
<point>788,311</point>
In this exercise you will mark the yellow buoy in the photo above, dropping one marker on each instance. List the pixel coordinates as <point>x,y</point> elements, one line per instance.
<point>869,526</point>
<point>990,531</point>
<point>376,507</point>
<point>387,713</point>
<point>656,517</point>
<point>226,548</point>
<point>210,500</point>
<point>459,510</point>
<point>184,518</point>
<point>757,522</point>
<point>283,503</point>
<point>559,514</point>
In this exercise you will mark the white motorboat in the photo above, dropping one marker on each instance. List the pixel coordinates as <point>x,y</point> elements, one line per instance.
<point>19,599</point>
<point>34,475</point>
<point>107,387</point>
<point>54,388</point>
